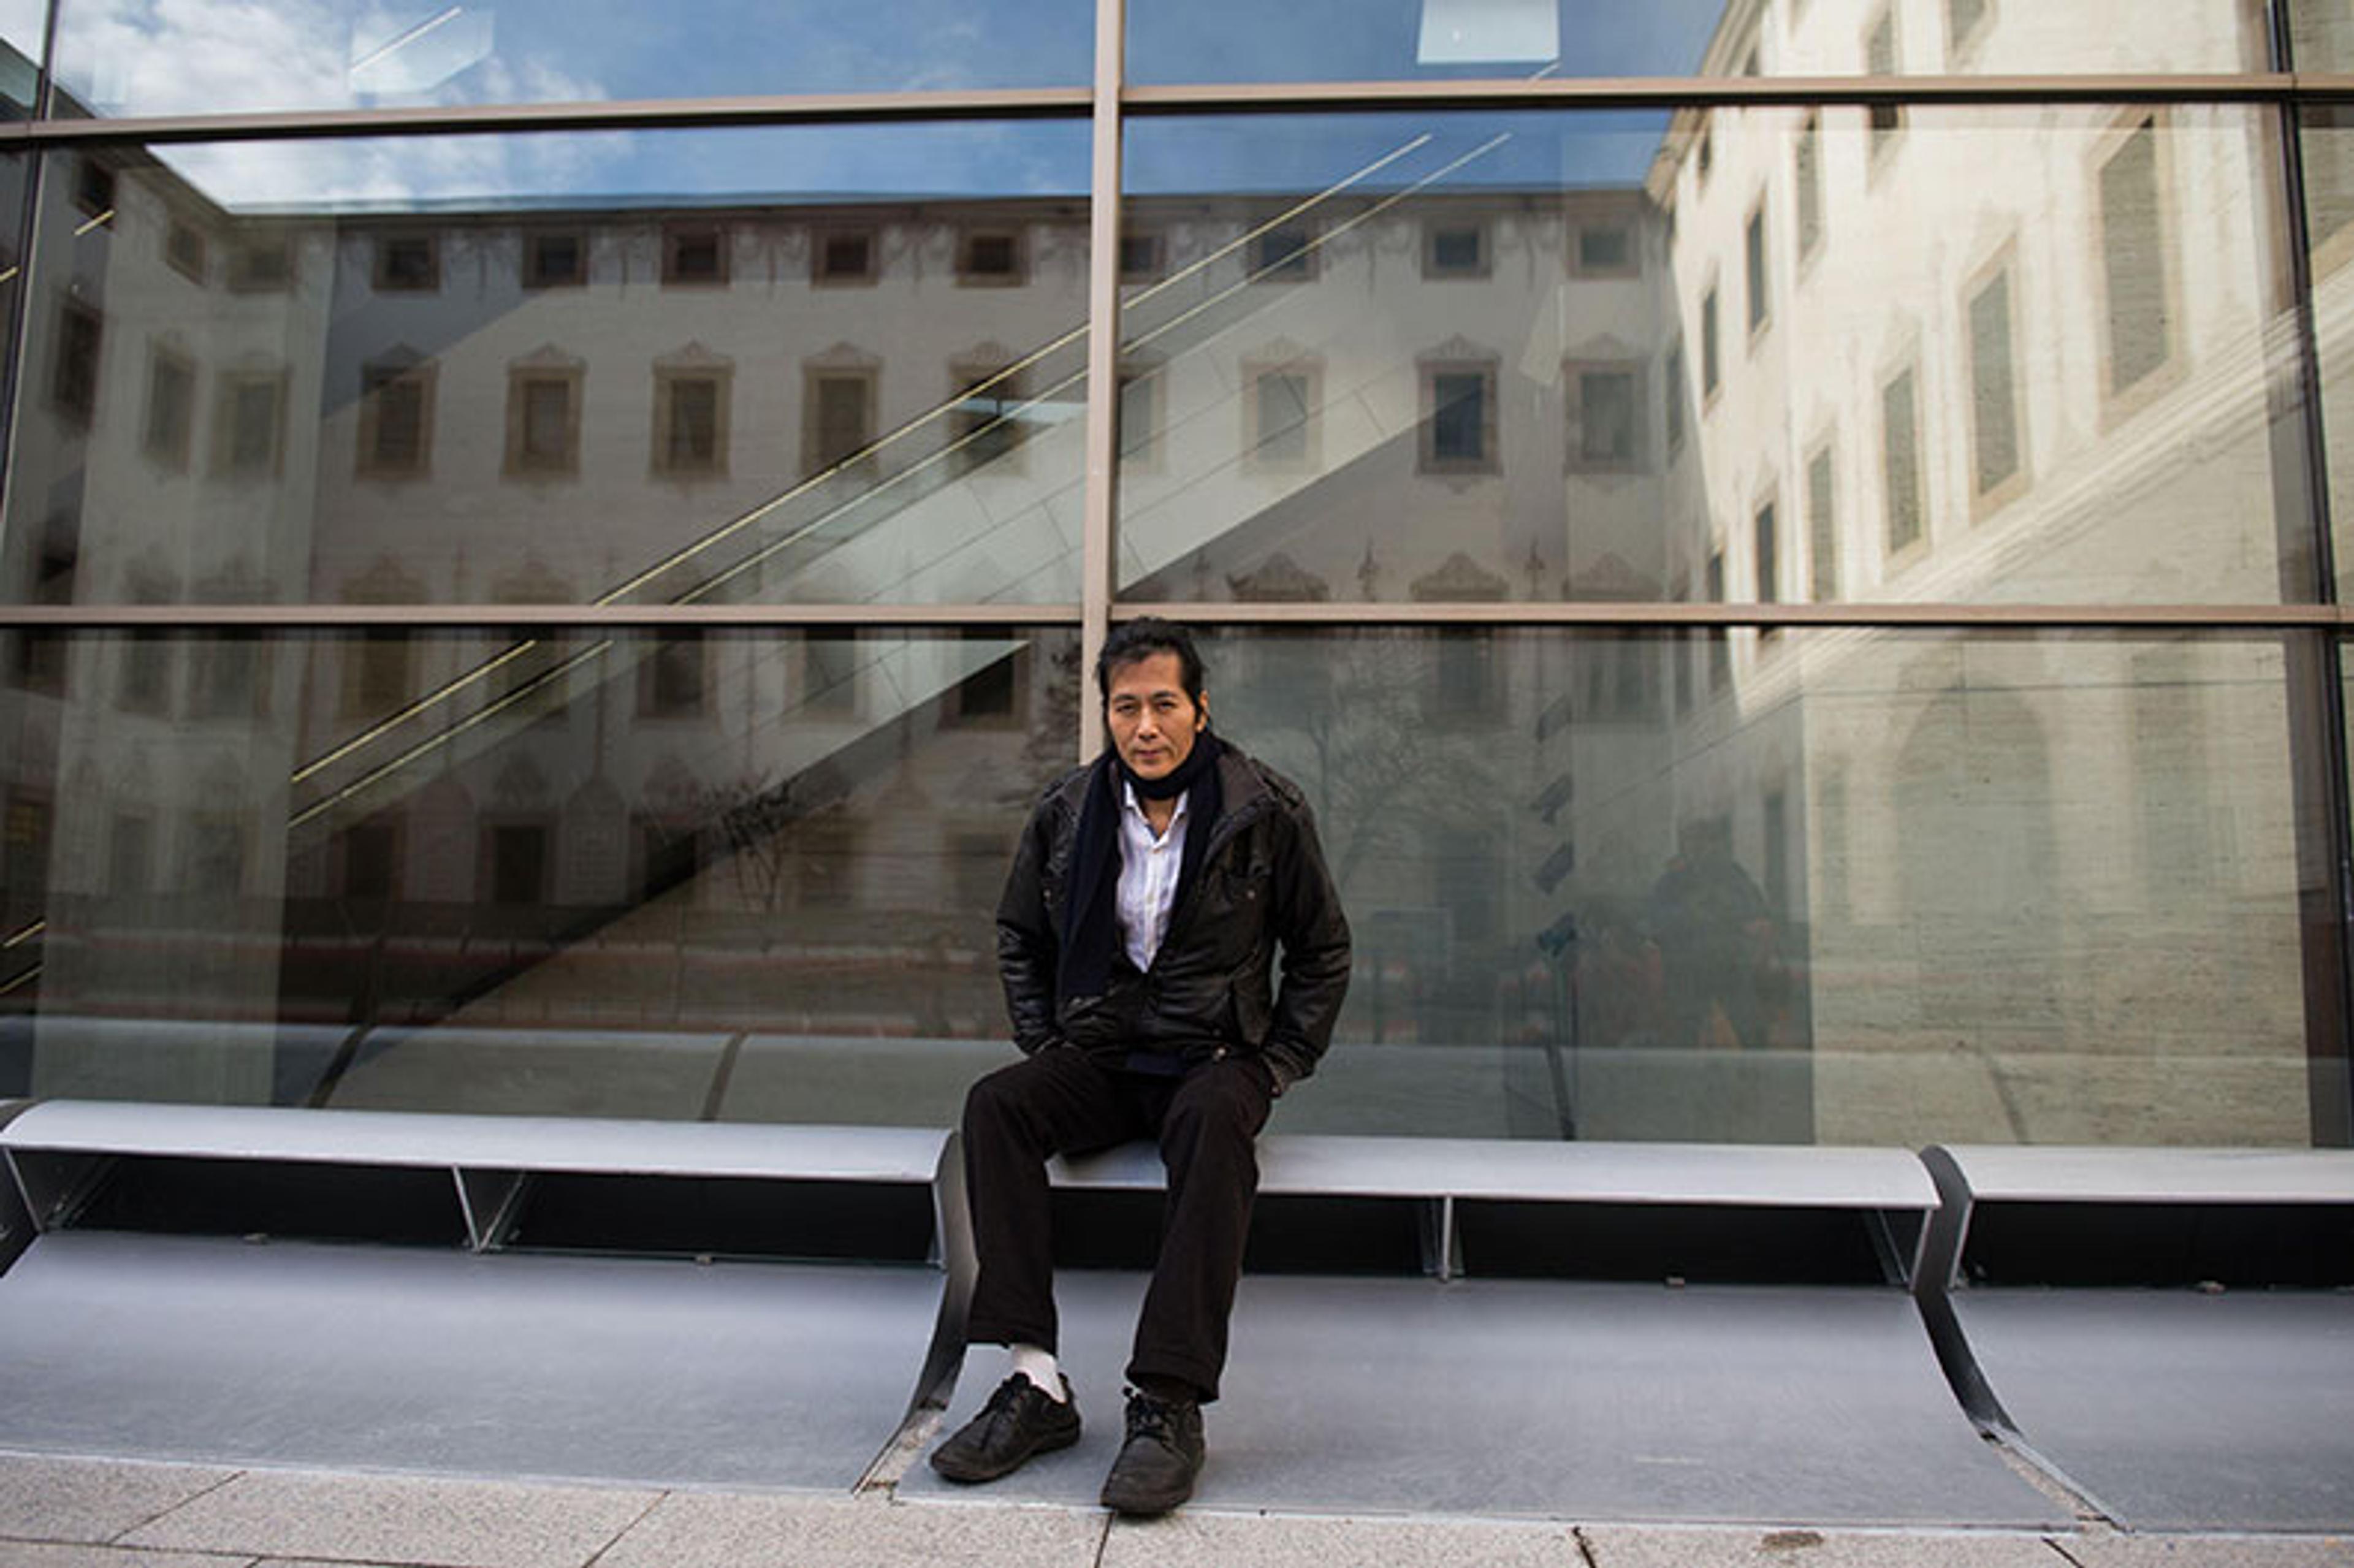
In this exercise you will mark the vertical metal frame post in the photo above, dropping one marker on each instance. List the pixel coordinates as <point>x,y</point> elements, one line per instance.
<point>1097,551</point>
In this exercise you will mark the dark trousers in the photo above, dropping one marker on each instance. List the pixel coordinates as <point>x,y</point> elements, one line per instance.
<point>1061,1101</point>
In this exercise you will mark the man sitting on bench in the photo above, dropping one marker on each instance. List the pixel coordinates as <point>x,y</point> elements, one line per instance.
<point>1137,940</point>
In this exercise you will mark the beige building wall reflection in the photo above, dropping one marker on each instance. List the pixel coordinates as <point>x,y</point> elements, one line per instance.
<point>1839,885</point>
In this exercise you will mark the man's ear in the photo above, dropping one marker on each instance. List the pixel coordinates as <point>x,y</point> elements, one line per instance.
<point>1202,710</point>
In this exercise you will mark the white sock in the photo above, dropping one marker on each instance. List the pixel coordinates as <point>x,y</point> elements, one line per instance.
<point>1039,1367</point>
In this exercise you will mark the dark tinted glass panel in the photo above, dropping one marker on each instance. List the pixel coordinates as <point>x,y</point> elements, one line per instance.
<point>749,875</point>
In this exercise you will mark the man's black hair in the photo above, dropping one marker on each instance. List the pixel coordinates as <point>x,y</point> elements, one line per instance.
<point>1132,642</point>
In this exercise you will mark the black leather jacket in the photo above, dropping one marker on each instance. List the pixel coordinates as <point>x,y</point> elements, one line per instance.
<point>1262,884</point>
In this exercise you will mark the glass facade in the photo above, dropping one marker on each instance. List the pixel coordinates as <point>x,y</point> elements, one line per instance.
<point>1802,619</point>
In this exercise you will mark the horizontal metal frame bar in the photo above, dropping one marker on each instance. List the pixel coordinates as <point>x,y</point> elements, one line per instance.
<point>1075,104</point>
<point>1734,93</point>
<point>506,617</point>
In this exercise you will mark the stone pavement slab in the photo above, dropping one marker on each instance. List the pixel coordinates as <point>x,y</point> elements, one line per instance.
<point>92,1499</point>
<point>1193,1540</point>
<point>2211,1551</point>
<point>1674,1546</point>
<point>54,1554</point>
<point>693,1529</point>
<point>408,1519</point>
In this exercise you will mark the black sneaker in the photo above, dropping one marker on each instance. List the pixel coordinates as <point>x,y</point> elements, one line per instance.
<point>1157,1465</point>
<point>1020,1420</point>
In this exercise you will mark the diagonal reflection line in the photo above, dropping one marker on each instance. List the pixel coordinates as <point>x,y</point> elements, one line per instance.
<point>456,684</point>
<point>433,742</point>
<point>24,935</point>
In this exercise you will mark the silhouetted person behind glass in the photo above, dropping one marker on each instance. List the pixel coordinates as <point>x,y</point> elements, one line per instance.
<point>1715,938</point>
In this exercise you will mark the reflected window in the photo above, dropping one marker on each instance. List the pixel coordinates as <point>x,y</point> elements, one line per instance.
<point>843,256</point>
<point>838,421</point>
<point>395,420</point>
<point>1673,406</point>
<point>989,256</point>
<point>694,254</point>
<point>407,263</point>
<point>1466,685</point>
<point>93,187</point>
<point>542,421</point>
<point>1606,405</point>
<point>40,657</point>
<point>1997,468</point>
<point>673,681</point>
<point>370,857</point>
<point>171,418</point>
<point>249,423</point>
<point>1140,415</point>
<point>829,683</point>
<point>553,260</point>
<point>1822,526</point>
<point>1809,183</point>
<point>1761,308</point>
<point>185,249</point>
<point>831,848</point>
<point>690,420</point>
<point>1458,423</point>
<point>1710,358</point>
<point>992,695</point>
<point>1454,249</point>
<point>1704,160</point>
<point>1900,461</point>
<point>261,265</point>
<point>1605,250</point>
<point>73,380</point>
<point>376,673</point>
<point>1766,555</point>
<point>1143,256</point>
<point>1281,408</point>
<point>1881,59</point>
<point>2137,318</point>
<point>516,862</point>
<point>1283,254</point>
<point>1966,23</point>
<point>228,676</point>
<point>985,427</point>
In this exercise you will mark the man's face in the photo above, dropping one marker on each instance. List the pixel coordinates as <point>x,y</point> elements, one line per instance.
<point>1153,722</point>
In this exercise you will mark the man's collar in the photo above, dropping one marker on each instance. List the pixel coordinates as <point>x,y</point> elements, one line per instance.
<point>1128,802</point>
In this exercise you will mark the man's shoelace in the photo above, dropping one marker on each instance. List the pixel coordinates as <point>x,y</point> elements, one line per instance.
<point>1151,1417</point>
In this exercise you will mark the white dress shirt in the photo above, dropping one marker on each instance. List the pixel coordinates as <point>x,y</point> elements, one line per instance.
<point>1147,876</point>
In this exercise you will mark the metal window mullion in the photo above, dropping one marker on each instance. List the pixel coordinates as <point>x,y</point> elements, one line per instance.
<point>1850,615</point>
<point>1097,552</point>
<point>1251,98</point>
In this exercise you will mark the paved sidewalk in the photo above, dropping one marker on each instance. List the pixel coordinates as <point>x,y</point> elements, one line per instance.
<point>108,1513</point>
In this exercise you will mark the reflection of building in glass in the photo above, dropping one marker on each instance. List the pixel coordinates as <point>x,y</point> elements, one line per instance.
<point>1782,883</point>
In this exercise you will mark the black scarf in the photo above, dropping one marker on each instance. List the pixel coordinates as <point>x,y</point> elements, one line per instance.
<point>1090,932</point>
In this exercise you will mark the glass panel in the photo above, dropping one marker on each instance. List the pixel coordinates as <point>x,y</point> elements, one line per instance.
<point>212,57</point>
<point>559,875</point>
<point>2049,388</point>
<point>387,371</point>
<point>1878,888</point>
<point>1404,41</point>
<point>2327,139</point>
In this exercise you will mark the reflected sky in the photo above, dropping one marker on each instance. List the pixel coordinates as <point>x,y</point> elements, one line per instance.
<point>185,56</point>
<point>752,166</point>
<point>1392,40</point>
<point>1442,152</point>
